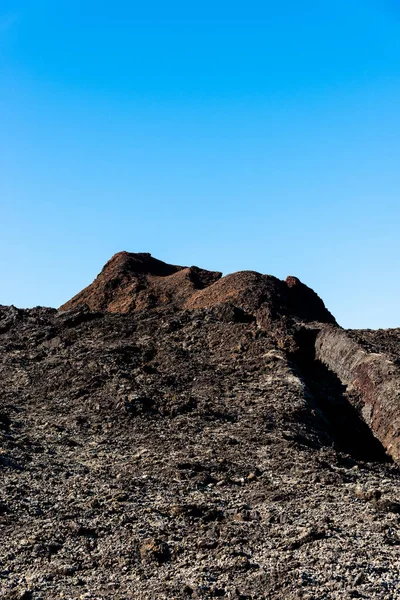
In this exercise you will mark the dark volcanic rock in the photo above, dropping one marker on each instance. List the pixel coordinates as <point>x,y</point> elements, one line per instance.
<point>173,434</point>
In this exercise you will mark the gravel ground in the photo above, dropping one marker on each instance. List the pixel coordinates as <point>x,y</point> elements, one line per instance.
<point>183,454</point>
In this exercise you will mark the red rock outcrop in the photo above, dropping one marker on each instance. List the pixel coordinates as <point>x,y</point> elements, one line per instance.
<point>129,282</point>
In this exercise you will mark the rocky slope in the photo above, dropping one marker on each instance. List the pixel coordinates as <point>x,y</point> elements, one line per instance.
<point>132,282</point>
<point>171,433</point>
<point>136,282</point>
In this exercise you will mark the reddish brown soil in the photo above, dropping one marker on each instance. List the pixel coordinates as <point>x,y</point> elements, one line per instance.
<point>134,282</point>
<point>131,282</point>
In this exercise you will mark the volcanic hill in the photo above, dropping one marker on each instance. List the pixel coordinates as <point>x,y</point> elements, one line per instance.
<point>172,433</point>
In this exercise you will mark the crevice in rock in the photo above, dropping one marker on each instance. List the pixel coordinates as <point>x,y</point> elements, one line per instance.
<point>349,432</point>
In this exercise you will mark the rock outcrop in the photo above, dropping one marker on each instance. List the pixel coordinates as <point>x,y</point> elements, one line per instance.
<point>132,282</point>
<point>373,376</point>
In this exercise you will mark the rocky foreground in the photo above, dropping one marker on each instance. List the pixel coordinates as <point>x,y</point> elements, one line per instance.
<point>171,433</point>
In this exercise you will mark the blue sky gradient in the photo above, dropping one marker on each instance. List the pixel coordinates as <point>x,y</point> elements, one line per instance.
<point>228,135</point>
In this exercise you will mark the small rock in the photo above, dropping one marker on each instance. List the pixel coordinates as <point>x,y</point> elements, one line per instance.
<point>154,550</point>
<point>310,535</point>
<point>367,494</point>
<point>388,506</point>
<point>359,578</point>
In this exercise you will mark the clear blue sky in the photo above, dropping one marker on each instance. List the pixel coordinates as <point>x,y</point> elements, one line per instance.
<point>229,135</point>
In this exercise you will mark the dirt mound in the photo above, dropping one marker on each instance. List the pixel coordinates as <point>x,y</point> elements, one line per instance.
<point>130,282</point>
<point>264,296</point>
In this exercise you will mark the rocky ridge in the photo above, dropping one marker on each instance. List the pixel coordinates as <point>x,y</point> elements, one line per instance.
<point>172,433</point>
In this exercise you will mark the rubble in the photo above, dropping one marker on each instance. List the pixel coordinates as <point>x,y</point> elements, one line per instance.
<point>191,444</point>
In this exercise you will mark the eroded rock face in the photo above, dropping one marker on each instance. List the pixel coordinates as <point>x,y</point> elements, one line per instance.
<point>375,377</point>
